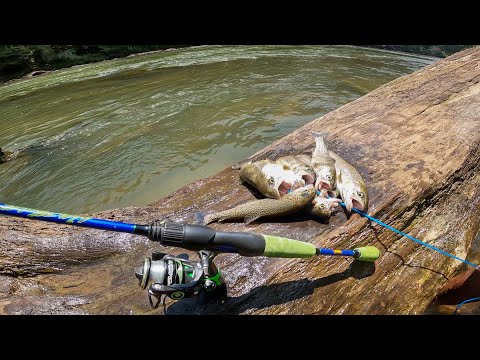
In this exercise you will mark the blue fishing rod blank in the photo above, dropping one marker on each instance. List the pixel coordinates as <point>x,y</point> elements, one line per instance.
<point>197,237</point>
<point>60,218</point>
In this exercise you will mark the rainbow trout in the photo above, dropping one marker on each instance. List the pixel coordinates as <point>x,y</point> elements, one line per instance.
<point>323,165</point>
<point>252,210</point>
<point>271,179</point>
<point>350,185</point>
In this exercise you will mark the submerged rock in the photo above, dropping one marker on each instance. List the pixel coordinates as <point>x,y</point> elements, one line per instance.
<point>37,73</point>
<point>415,141</point>
<point>6,155</point>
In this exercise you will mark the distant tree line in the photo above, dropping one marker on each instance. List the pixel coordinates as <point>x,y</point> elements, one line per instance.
<point>19,60</point>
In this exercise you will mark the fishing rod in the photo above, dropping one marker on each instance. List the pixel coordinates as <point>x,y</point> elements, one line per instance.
<point>178,277</point>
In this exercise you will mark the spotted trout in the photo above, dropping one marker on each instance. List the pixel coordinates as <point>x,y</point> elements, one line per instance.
<point>350,185</point>
<point>252,210</point>
<point>271,179</point>
<point>323,164</point>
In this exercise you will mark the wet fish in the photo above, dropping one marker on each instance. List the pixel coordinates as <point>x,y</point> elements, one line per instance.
<point>299,164</point>
<point>252,210</point>
<point>350,185</point>
<point>239,165</point>
<point>271,179</point>
<point>323,164</point>
<point>323,207</point>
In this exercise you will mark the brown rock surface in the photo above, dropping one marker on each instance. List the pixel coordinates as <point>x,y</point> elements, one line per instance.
<point>464,285</point>
<point>416,142</point>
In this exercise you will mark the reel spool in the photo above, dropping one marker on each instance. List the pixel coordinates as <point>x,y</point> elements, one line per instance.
<point>178,277</point>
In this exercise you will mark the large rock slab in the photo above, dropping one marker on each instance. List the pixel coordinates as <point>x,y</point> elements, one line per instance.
<point>416,142</point>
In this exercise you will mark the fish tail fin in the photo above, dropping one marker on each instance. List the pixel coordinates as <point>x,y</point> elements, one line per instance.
<point>199,218</point>
<point>319,135</point>
<point>320,141</point>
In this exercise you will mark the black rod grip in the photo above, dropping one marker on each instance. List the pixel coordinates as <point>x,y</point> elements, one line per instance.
<point>198,237</point>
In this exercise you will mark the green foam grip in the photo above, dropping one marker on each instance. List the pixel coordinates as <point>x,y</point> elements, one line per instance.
<point>276,246</point>
<point>368,253</point>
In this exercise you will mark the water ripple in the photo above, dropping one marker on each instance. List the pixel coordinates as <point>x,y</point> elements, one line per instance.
<point>129,131</point>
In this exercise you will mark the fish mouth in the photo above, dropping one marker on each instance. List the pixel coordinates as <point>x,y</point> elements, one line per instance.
<point>322,184</point>
<point>353,202</point>
<point>284,188</point>
<point>309,179</point>
<point>357,204</point>
<point>334,203</point>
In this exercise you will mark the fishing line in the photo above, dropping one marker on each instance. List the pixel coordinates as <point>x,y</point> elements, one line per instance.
<point>361,213</point>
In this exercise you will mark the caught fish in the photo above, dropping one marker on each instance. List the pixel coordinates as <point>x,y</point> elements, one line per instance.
<point>239,165</point>
<point>253,210</point>
<point>271,179</point>
<point>350,185</point>
<point>323,164</point>
<point>322,207</point>
<point>300,165</point>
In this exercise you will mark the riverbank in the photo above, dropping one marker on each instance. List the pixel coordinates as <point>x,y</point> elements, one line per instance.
<point>24,61</point>
<point>416,142</point>
<point>20,61</point>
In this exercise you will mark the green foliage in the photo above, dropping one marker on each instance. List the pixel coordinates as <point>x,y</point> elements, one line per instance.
<point>18,60</point>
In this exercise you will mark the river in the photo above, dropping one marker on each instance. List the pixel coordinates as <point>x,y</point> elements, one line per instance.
<point>129,131</point>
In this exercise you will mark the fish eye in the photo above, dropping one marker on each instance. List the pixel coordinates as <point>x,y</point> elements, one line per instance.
<point>361,194</point>
<point>271,181</point>
<point>322,206</point>
<point>329,177</point>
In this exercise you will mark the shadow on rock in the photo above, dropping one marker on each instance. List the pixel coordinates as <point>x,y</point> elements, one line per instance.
<point>268,295</point>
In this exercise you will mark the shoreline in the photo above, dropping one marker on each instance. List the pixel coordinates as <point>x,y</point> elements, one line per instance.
<point>44,71</point>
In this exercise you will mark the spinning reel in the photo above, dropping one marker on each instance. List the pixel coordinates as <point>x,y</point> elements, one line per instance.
<point>178,277</point>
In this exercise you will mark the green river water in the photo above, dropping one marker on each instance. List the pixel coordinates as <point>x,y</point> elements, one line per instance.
<point>130,131</point>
